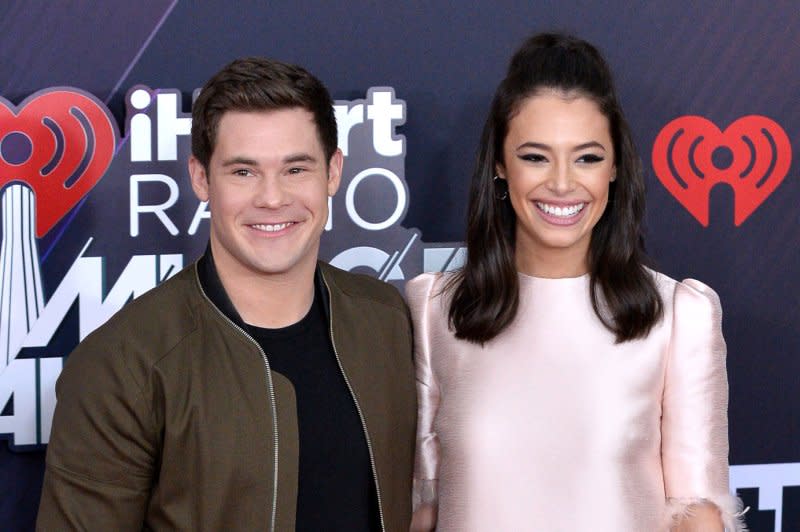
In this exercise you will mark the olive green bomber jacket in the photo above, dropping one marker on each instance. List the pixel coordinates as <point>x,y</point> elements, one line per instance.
<point>168,417</point>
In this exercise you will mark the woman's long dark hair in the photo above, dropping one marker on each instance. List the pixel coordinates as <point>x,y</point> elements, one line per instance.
<point>485,292</point>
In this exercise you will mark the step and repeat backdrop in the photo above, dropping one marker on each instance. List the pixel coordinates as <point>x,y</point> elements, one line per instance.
<point>97,208</point>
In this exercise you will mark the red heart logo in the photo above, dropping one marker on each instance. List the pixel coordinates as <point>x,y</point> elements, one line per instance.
<point>691,155</point>
<point>60,142</point>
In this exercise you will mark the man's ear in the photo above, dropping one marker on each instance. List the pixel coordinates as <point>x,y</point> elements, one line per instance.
<point>335,171</point>
<point>199,177</point>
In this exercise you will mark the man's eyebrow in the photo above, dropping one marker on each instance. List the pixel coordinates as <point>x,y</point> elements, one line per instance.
<point>299,158</point>
<point>289,159</point>
<point>239,160</point>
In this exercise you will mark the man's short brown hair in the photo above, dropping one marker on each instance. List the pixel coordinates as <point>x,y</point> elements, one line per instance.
<point>260,84</point>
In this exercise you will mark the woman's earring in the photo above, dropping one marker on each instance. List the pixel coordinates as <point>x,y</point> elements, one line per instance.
<point>500,188</point>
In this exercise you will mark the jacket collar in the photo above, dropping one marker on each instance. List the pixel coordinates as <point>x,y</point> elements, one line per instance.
<point>212,286</point>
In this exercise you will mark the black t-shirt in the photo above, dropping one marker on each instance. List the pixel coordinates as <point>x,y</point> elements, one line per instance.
<point>336,490</point>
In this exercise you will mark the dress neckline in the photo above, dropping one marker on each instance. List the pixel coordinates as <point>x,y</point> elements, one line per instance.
<point>534,279</point>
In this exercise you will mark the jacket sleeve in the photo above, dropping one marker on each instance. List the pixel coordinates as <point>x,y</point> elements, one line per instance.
<point>694,423</point>
<point>102,451</point>
<point>425,497</point>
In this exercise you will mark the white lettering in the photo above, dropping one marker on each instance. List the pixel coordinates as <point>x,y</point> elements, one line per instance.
<point>84,282</point>
<point>140,128</point>
<point>345,120</point>
<point>136,209</point>
<point>329,221</point>
<point>382,111</point>
<point>170,125</point>
<point>400,205</point>
<point>770,480</point>
<point>200,214</point>
<point>49,370</point>
<point>443,259</point>
<point>32,419</point>
<point>19,381</point>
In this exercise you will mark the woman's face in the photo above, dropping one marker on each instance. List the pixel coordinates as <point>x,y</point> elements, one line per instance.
<point>559,162</point>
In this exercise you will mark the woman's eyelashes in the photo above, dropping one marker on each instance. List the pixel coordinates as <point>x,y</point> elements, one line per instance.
<point>533,157</point>
<point>591,158</point>
<point>588,158</point>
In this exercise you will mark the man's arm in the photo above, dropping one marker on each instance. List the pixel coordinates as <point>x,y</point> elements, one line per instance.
<point>103,445</point>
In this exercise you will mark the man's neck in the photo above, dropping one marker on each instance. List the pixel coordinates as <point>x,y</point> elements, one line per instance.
<point>269,301</point>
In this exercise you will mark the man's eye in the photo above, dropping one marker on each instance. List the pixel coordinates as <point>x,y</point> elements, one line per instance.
<point>242,172</point>
<point>296,170</point>
<point>591,158</point>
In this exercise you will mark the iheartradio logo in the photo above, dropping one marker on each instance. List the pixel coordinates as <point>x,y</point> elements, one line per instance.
<point>54,148</point>
<point>691,155</point>
<point>58,143</point>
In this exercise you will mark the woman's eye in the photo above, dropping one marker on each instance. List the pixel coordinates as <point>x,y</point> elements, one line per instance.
<point>533,157</point>
<point>591,158</point>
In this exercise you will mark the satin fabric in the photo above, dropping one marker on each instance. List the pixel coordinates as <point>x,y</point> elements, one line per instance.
<point>552,426</point>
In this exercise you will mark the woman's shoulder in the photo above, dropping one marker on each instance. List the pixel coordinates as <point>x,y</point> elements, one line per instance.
<point>685,293</point>
<point>429,285</point>
<point>429,292</point>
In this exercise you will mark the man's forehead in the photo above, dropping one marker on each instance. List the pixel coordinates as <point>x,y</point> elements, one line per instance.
<point>268,134</point>
<point>297,116</point>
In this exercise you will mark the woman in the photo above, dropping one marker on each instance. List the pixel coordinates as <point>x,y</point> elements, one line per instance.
<point>563,385</point>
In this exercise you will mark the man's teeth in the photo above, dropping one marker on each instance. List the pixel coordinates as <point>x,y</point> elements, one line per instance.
<point>564,212</point>
<point>271,228</point>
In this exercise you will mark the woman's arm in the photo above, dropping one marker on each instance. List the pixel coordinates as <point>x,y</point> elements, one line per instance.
<point>425,496</point>
<point>694,423</point>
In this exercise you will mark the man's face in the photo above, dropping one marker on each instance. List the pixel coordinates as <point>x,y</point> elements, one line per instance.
<point>267,187</point>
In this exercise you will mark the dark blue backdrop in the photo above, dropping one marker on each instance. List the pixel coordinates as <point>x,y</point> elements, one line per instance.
<point>720,60</point>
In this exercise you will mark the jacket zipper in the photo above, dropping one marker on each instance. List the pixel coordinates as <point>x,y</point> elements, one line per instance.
<point>358,408</point>
<point>271,398</point>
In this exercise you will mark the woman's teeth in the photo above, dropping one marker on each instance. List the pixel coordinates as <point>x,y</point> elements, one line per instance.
<point>563,212</point>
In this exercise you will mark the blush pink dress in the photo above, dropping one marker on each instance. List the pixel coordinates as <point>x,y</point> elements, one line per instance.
<point>552,426</point>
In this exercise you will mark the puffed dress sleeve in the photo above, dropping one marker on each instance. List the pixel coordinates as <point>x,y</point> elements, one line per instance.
<point>694,423</point>
<point>425,498</point>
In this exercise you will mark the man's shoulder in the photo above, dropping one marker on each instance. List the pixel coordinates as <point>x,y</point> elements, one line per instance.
<point>162,315</point>
<point>175,297</point>
<point>126,347</point>
<point>363,287</point>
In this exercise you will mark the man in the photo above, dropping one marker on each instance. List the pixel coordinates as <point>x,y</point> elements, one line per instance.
<point>258,389</point>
